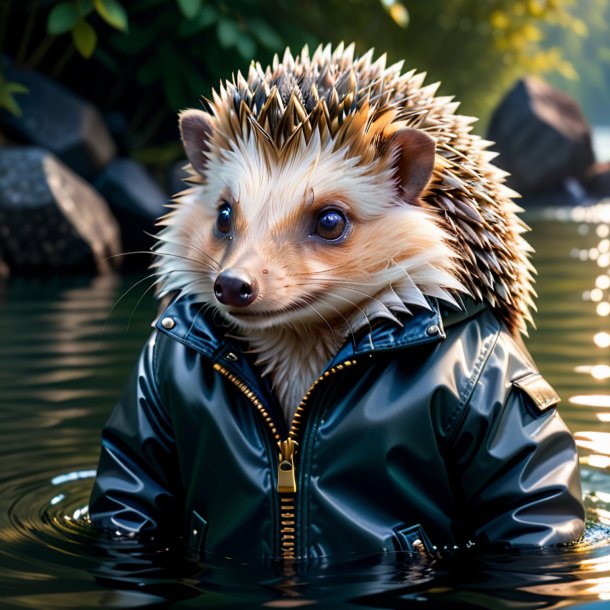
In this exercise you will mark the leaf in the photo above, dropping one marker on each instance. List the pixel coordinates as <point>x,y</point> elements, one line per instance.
<point>7,99</point>
<point>14,87</point>
<point>189,8</point>
<point>8,102</point>
<point>207,16</point>
<point>112,13</point>
<point>139,39</point>
<point>62,18</point>
<point>266,35</point>
<point>246,46</point>
<point>85,38</point>
<point>84,7</point>
<point>227,32</point>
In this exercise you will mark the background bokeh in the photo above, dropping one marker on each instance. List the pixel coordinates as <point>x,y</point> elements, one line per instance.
<point>140,61</point>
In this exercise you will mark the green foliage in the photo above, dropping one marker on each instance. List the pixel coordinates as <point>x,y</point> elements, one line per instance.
<point>84,38</point>
<point>190,43</point>
<point>112,13</point>
<point>476,49</point>
<point>165,54</point>
<point>190,8</point>
<point>71,16</point>
<point>7,95</point>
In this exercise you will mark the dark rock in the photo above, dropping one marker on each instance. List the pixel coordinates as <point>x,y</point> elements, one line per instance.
<point>51,220</point>
<point>118,126</point>
<point>57,119</point>
<point>136,201</point>
<point>597,180</point>
<point>176,176</point>
<point>541,135</point>
<point>568,194</point>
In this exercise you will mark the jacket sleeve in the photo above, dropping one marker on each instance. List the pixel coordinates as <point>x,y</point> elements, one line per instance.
<point>513,460</point>
<point>134,491</point>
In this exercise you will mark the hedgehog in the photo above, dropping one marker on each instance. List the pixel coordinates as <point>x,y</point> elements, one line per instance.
<point>339,368</point>
<point>332,126</point>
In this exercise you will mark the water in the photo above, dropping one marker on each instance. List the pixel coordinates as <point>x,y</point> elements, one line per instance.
<point>64,359</point>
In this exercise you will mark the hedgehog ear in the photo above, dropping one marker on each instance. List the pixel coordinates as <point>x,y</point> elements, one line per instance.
<point>414,161</point>
<point>196,132</point>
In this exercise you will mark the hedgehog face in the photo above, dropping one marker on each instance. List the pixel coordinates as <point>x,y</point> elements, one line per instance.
<point>306,239</point>
<point>317,188</point>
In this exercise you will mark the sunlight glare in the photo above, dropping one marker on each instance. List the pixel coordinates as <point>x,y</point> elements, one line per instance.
<point>603,260</point>
<point>602,339</point>
<point>594,400</point>
<point>596,441</point>
<point>600,371</point>
<point>602,282</point>
<point>597,371</point>
<point>603,309</point>
<point>598,461</point>
<point>603,231</point>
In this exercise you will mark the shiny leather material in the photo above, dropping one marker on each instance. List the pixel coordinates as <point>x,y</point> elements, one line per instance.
<point>426,442</point>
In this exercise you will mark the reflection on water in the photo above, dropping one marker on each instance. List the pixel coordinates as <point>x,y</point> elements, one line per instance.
<point>64,359</point>
<point>591,255</point>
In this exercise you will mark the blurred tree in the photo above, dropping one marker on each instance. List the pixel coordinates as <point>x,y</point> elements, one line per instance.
<point>590,55</point>
<point>148,58</point>
<point>477,49</point>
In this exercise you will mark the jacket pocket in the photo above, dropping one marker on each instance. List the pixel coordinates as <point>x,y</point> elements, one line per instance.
<point>413,539</point>
<point>198,529</point>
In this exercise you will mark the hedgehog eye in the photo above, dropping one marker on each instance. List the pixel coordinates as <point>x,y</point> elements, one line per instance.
<point>224,218</point>
<point>331,224</point>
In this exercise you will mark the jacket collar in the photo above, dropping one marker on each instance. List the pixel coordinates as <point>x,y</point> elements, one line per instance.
<point>186,321</point>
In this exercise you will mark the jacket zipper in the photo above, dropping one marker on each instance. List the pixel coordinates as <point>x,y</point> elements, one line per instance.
<point>286,474</point>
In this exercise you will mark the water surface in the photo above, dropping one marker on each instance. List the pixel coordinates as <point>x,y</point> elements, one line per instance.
<point>65,354</point>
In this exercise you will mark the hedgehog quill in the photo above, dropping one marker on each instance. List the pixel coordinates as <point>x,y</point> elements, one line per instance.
<point>347,281</point>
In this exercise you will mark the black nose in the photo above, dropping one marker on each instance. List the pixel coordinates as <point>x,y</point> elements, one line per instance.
<point>237,287</point>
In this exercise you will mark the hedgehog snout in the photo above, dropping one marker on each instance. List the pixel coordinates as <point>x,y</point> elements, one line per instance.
<point>236,287</point>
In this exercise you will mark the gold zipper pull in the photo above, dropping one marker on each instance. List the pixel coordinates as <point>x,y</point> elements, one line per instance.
<point>286,480</point>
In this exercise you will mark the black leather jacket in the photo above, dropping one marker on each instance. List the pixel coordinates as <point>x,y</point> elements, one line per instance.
<point>430,435</point>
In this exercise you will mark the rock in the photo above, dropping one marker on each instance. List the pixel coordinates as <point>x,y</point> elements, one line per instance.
<point>176,176</point>
<point>136,201</point>
<point>57,119</point>
<point>118,126</point>
<point>597,180</point>
<point>541,135</point>
<point>51,220</point>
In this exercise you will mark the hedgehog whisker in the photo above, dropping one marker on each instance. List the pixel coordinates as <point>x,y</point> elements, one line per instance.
<point>135,285</point>
<point>116,303</point>
<point>327,270</point>
<point>351,330</point>
<point>139,301</point>
<point>186,258</point>
<point>343,285</point>
<point>314,299</point>
<point>310,305</point>
<point>206,304</point>
<point>163,239</point>
<point>159,253</point>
